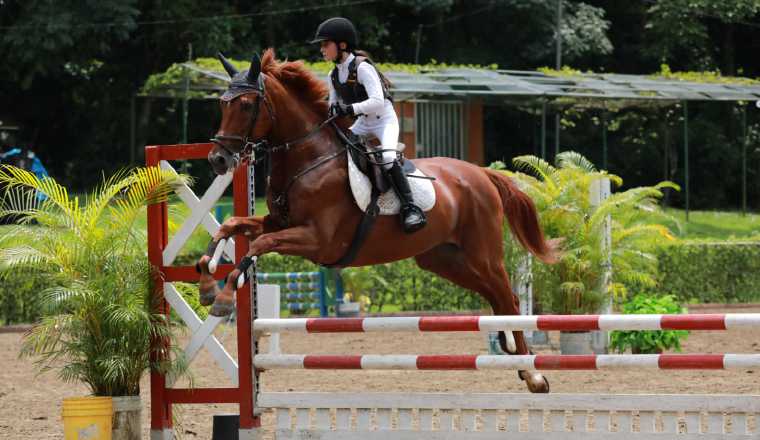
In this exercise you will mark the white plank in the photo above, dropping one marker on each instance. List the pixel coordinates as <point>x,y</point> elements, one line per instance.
<point>438,435</point>
<point>693,421</point>
<point>715,423</point>
<point>535,420</point>
<point>343,419</point>
<point>322,419</point>
<point>669,422</point>
<point>513,420</point>
<point>426,419</point>
<point>200,209</point>
<point>383,419</point>
<point>302,418</point>
<point>624,421</point>
<point>214,347</point>
<point>363,419</point>
<point>405,419</point>
<point>579,421</point>
<point>467,421</point>
<point>283,418</point>
<point>557,421</point>
<point>489,420</point>
<point>739,424</point>
<point>602,421</point>
<point>519,401</point>
<point>646,422</point>
<point>445,420</point>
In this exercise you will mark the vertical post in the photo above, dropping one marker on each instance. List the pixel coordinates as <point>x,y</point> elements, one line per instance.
<point>132,132</point>
<point>686,153</point>
<point>558,38</point>
<point>557,123</point>
<point>599,192</point>
<point>543,129</point>
<point>250,414</point>
<point>160,409</point>
<point>744,159</point>
<point>604,140</point>
<point>419,43</point>
<point>186,97</point>
<point>558,65</point>
<point>524,283</point>
<point>322,293</point>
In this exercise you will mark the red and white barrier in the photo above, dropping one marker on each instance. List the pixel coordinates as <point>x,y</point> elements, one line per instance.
<point>500,362</point>
<point>495,323</point>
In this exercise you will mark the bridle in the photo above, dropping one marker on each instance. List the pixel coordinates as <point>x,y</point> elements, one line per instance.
<point>246,147</point>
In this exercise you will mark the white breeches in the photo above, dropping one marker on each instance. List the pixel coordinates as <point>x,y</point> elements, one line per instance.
<point>387,133</point>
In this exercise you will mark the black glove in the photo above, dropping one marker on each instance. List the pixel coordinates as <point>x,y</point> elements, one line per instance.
<point>342,109</point>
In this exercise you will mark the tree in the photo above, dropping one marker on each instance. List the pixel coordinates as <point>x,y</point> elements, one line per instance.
<point>701,33</point>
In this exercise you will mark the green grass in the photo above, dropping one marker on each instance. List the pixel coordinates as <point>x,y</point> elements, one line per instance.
<point>718,225</point>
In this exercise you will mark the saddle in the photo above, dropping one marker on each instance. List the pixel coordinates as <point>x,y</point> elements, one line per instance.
<point>368,161</point>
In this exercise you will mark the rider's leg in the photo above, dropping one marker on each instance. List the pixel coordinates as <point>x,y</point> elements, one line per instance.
<point>412,216</point>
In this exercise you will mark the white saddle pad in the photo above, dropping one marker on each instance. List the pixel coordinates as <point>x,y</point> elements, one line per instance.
<point>389,204</point>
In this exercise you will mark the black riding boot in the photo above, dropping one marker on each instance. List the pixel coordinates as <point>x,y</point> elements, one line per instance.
<point>412,217</point>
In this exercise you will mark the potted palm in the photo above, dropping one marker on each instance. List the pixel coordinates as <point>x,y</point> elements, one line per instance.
<point>97,318</point>
<point>577,284</point>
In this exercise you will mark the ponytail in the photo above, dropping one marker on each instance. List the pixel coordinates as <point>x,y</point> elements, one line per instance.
<point>383,79</point>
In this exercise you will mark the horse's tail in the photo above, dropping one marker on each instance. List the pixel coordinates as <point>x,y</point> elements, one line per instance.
<point>523,219</point>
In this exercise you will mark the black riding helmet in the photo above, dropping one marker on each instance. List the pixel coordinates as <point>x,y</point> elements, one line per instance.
<point>337,29</point>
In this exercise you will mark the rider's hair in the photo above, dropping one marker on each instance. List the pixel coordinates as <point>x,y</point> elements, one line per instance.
<point>363,53</point>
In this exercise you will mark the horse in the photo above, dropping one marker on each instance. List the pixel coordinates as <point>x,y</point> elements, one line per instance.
<point>279,108</point>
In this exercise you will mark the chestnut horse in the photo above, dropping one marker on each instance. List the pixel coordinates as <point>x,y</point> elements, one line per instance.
<point>280,108</point>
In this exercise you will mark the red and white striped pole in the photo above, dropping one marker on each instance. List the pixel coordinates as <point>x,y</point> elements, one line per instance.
<point>500,362</point>
<point>515,323</point>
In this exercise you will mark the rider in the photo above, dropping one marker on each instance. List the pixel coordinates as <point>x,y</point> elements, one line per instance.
<point>358,90</point>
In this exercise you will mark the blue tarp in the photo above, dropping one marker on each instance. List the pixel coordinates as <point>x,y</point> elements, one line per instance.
<point>13,156</point>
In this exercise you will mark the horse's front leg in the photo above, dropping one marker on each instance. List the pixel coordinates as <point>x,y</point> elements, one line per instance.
<point>300,240</point>
<point>250,227</point>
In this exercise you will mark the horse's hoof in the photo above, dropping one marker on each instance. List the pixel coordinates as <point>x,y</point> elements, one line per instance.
<point>537,383</point>
<point>206,298</point>
<point>221,309</point>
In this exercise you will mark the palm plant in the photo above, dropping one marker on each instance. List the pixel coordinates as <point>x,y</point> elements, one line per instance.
<point>561,193</point>
<point>97,318</point>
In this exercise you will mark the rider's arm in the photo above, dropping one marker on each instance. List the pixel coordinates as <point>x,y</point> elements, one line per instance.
<point>368,77</point>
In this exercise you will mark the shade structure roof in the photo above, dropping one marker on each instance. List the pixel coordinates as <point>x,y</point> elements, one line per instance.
<point>523,85</point>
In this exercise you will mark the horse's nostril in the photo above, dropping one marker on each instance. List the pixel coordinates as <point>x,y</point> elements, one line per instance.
<point>219,160</point>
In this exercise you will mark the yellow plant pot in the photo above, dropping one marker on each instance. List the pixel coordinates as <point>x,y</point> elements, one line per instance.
<point>87,418</point>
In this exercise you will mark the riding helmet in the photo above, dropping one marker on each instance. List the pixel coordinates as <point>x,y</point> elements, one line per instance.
<point>337,29</point>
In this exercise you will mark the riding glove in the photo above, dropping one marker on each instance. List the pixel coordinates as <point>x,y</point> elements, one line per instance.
<point>342,109</point>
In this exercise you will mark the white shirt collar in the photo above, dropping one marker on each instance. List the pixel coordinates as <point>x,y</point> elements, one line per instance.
<point>344,64</point>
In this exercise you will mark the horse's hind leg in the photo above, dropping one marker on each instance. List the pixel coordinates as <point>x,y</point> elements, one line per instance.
<point>471,271</point>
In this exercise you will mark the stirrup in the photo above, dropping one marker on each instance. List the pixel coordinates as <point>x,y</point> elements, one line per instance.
<point>412,210</point>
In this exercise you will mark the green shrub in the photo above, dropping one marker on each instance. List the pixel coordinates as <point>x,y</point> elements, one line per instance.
<point>20,299</point>
<point>654,341</point>
<point>723,272</point>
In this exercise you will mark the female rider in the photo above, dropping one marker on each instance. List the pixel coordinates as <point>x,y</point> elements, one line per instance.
<point>358,90</point>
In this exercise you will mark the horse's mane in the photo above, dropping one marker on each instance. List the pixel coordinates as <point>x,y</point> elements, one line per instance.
<point>298,79</point>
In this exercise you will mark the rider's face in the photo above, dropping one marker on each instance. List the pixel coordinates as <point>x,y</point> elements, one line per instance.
<point>329,50</point>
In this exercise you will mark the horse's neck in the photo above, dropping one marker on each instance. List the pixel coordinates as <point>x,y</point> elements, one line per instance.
<point>286,164</point>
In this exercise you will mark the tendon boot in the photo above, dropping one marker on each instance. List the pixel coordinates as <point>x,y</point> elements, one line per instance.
<point>412,217</point>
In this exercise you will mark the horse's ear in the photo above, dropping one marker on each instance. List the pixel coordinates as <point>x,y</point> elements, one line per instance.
<point>231,70</point>
<point>254,70</point>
